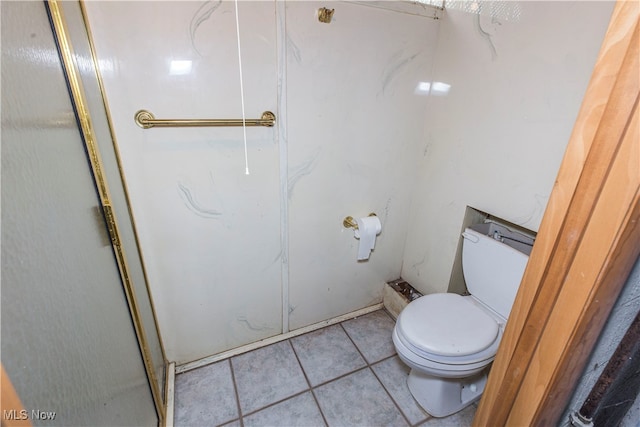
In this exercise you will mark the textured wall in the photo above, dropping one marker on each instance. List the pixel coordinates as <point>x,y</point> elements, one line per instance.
<point>517,73</point>
<point>380,110</point>
<point>354,134</point>
<point>234,258</point>
<point>209,233</point>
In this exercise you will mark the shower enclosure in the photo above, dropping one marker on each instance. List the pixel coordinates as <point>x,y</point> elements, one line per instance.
<point>234,258</point>
<point>76,313</point>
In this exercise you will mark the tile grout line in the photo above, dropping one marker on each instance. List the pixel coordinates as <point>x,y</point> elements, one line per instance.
<point>370,366</point>
<point>300,393</point>
<point>389,394</point>
<point>312,389</point>
<point>354,344</point>
<point>237,393</point>
<point>304,373</point>
<point>243,415</point>
<point>340,377</point>
<point>361,353</point>
<point>395,354</point>
<point>429,416</point>
<point>315,398</point>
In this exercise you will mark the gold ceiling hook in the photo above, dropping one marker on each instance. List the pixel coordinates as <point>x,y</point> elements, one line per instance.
<point>325,15</point>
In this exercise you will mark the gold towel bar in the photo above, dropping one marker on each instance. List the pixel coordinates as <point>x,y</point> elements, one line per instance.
<point>146,120</point>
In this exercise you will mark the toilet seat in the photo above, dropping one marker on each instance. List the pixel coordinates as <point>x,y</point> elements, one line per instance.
<point>449,341</point>
<point>448,329</point>
<point>447,367</point>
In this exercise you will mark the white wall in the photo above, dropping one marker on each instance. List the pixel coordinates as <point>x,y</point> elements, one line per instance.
<point>354,133</point>
<point>231,258</point>
<point>210,235</point>
<point>517,73</point>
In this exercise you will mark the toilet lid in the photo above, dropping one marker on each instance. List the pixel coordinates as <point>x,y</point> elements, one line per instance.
<point>447,324</point>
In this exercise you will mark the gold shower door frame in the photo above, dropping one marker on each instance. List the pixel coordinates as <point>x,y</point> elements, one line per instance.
<point>69,57</point>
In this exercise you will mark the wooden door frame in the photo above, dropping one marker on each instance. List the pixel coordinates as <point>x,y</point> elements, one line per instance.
<point>587,244</point>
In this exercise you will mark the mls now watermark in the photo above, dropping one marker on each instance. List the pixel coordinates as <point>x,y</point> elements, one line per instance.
<point>34,414</point>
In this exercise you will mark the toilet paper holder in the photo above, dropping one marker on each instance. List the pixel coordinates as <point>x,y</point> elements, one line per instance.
<point>349,222</point>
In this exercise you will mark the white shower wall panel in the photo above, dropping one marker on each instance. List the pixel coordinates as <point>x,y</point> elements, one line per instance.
<point>517,72</point>
<point>209,233</point>
<point>355,129</point>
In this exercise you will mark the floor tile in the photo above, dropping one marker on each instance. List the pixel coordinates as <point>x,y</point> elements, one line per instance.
<point>463,418</point>
<point>299,411</point>
<point>272,388</point>
<point>205,396</point>
<point>326,354</point>
<point>372,334</point>
<point>358,400</point>
<point>267,375</point>
<point>393,374</point>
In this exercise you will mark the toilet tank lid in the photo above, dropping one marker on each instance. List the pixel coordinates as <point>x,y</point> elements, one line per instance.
<point>447,324</point>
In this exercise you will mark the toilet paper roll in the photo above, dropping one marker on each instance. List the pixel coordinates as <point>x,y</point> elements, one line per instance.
<point>368,228</point>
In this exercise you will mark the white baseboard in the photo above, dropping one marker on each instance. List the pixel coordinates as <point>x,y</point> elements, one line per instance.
<point>171,376</point>
<point>272,340</point>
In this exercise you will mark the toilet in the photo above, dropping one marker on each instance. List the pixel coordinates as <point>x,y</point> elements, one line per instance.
<point>449,340</point>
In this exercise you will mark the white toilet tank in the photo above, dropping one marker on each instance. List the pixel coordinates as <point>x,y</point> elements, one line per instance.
<point>493,263</point>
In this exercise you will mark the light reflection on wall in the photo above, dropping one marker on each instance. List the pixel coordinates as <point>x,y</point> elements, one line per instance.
<point>180,67</point>
<point>432,88</point>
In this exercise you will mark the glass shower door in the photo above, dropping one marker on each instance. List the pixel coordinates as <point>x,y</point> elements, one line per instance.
<point>68,344</point>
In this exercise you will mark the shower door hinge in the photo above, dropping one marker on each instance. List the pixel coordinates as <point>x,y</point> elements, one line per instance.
<point>111,224</point>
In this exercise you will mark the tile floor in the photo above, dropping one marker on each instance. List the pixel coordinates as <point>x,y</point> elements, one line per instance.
<point>346,374</point>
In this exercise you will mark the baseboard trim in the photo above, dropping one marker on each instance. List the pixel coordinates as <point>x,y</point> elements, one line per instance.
<point>272,340</point>
<point>168,413</point>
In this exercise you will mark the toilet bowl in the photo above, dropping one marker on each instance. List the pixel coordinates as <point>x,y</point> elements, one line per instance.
<point>449,340</point>
<point>447,335</point>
